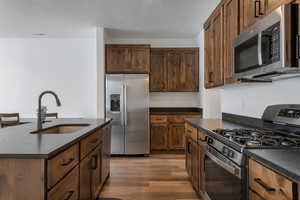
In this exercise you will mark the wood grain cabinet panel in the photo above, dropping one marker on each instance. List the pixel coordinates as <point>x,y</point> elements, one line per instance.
<point>158,71</point>
<point>176,136</point>
<point>268,184</point>
<point>90,175</point>
<point>254,196</point>
<point>61,164</point>
<point>158,119</point>
<point>159,136</point>
<point>174,70</point>
<point>67,189</point>
<point>89,143</point>
<point>214,50</point>
<point>252,11</point>
<point>127,58</point>
<point>231,31</point>
<point>183,70</point>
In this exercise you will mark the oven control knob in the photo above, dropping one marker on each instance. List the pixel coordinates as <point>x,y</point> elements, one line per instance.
<point>225,151</point>
<point>210,141</point>
<point>231,154</point>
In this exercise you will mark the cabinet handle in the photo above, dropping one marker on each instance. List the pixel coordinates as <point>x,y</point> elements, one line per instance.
<point>257,3</point>
<point>69,195</point>
<point>94,162</point>
<point>66,163</point>
<point>264,185</point>
<point>298,46</point>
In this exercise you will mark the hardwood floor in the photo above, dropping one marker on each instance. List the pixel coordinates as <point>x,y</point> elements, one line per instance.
<point>159,177</point>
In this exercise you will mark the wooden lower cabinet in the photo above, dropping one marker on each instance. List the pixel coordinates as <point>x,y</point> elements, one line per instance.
<point>67,188</point>
<point>264,183</point>
<point>168,132</point>
<point>194,161</point>
<point>64,176</point>
<point>90,175</point>
<point>176,136</point>
<point>159,136</point>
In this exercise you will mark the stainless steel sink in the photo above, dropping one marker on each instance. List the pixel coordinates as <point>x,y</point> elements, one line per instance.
<point>61,129</point>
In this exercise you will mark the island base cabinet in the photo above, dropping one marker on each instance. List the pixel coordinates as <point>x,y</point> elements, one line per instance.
<point>90,175</point>
<point>22,179</point>
<point>67,189</point>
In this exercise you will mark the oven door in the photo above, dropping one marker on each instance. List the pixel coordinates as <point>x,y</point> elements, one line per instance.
<point>222,177</point>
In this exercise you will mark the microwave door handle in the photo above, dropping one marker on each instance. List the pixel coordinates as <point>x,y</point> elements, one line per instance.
<point>259,46</point>
<point>297,47</point>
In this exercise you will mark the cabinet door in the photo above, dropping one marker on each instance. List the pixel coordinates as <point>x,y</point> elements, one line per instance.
<point>176,136</point>
<point>140,60</point>
<point>106,153</point>
<point>231,30</point>
<point>253,10</point>
<point>214,51</point>
<point>195,165</point>
<point>118,59</point>
<point>188,156</point>
<point>217,67</point>
<point>90,176</point>
<point>159,136</point>
<point>202,149</point>
<point>254,196</point>
<point>208,48</point>
<point>183,71</point>
<point>158,71</point>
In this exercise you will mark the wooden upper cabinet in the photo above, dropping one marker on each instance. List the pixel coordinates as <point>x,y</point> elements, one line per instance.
<point>214,50</point>
<point>252,11</point>
<point>159,71</point>
<point>174,70</point>
<point>273,4</point>
<point>127,58</point>
<point>231,31</point>
<point>183,70</point>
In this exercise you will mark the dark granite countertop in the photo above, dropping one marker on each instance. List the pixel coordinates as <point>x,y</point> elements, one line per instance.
<point>175,111</point>
<point>284,161</point>
<point>19,142</point>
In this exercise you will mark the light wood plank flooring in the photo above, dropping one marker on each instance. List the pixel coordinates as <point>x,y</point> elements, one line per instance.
<point>159,177</point>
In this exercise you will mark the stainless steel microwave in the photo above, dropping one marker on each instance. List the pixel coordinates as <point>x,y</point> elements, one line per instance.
<point>269,49</point>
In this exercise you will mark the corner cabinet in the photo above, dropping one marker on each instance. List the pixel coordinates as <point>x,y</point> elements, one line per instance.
<point>214,50</point>
<point>127,59</point>
<point>174,70</point>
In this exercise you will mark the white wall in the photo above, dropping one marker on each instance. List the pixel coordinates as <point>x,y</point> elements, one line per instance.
<point>166,99</point>
<point>29,66</point>
<point>251,99</point>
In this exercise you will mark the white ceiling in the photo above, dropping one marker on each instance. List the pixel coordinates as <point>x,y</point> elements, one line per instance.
<point>124,18</point>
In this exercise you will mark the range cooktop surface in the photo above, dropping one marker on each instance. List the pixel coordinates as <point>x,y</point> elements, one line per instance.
<point>258,138</point>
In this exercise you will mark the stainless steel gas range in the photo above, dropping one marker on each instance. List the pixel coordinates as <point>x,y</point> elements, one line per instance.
<point>225,162</point>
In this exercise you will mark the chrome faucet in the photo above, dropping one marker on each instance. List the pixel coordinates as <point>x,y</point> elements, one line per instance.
<point>39,122</point>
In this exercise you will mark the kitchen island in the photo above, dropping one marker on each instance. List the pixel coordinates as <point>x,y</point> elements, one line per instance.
<point>67,159</point>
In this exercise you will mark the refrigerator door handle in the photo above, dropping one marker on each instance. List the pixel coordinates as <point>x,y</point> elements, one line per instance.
<point>125,104</point>
<point>122,105</point>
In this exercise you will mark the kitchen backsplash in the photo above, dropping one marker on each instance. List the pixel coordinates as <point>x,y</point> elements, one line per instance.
<point>175,99</point>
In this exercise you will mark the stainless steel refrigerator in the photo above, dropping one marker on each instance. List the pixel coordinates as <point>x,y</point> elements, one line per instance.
<point>127,103</point>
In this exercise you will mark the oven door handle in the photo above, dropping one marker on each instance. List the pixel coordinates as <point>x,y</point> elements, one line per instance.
<point>224,165</point>
<point>259,46</point>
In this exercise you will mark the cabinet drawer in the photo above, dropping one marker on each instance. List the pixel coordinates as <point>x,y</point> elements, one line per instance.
<point>176,118</point>
<point>268,184</point>
<point>192,116</point>
<point>89,143</point>
<point>191,131</point>
<point>156,119</point>
<point>61,164</point>
<point>67,189</point>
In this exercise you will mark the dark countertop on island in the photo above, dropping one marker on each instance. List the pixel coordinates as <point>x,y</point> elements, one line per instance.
<point>19,142</point>
<point>175,111</point>
<point>284,161</point>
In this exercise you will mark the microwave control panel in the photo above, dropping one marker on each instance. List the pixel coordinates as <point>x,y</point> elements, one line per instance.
<point>289,113</point>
